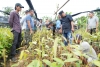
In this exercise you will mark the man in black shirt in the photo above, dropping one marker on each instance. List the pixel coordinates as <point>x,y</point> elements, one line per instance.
<point>67,26</point>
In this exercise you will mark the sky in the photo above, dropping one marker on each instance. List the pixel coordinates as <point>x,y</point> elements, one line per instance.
<point>47,7</point>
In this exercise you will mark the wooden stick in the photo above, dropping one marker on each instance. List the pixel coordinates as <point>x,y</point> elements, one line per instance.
<point>62,6</point>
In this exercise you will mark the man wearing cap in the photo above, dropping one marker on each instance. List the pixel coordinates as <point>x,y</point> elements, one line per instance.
<point>92,23</point>
<point>67,26</point>
<point>29,27</point>
<point>14,21</point>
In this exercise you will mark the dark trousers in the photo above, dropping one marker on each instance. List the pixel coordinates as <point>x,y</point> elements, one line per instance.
<point>28,37</point>
<point>91,31</point>
<point>16,43</point>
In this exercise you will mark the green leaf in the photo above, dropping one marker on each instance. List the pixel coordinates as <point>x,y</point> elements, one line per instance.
<point>14,65</point>
<point>78,53</point>
<point>54,64</point>
<point>59,61</point>
<point>34,63</point>
<point>55,46</point>
<point>86,56</point>
<point>71,60</point>
<point>77,64</point>
<point>47,62</point>
<point>97,63</point>
<point>1,47</point>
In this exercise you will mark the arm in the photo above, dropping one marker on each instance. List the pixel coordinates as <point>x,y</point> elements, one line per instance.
<point>72,23</point>
<point>11,19</point>
<point>29,25</point>
<point>87,26</point>
<point>97,22</point>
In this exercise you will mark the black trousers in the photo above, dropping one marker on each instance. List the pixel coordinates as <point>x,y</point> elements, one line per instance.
<point>16,43</point>
<point>92,31</point>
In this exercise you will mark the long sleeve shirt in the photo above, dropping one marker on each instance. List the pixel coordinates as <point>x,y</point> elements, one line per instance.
<point>14,21</point>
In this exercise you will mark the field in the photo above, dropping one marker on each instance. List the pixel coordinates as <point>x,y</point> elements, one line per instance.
<point>45,51</point>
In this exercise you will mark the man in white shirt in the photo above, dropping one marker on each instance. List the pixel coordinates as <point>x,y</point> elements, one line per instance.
<point>23,20</point>
<point>92,24</point>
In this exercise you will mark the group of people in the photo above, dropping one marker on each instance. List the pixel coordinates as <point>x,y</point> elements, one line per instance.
<point>27,24</point>
<point>64,25</point>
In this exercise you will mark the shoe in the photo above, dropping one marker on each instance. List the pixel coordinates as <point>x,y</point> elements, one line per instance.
<point>14,60</point>
<point>17,52</point>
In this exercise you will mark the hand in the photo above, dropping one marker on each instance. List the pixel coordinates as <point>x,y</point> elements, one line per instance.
<point>60,31</point>
<point>72,29</point>
<point>31,32</point>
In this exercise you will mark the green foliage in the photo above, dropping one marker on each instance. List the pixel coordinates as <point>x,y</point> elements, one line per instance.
<point>44,50</point>
<point>97,63</point>
<point>7,10</point>
<point>82,22</point>
<point>34,63</point>
<point>5,40</point>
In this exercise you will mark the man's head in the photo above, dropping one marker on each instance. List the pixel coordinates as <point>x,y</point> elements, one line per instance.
<point>50,24</point>
<point>26,12</point>
<point>91,14</point>
<point>62,14</point>
<point>40,20</point>
<point>18,7</point>
<point>31,11</point>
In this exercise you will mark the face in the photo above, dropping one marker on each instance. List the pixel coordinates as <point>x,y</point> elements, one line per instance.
<point>32,12</point>
<point>27,13</point>
<point>40,21</point>
<point>90,15</point>
<point>18,8</point>
<point>63,15</point>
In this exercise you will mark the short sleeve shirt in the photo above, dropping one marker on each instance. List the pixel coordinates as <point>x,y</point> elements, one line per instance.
<point>92,22</point>
<point>29,18</point>
<point>66,23</point>
<point>58,24</point>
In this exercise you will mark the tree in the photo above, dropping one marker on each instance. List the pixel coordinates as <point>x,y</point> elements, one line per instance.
<point>7,10</point>
<point>81,21</point>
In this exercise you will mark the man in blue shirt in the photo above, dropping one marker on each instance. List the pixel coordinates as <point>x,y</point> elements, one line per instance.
<point>67,26</point>
<point>58,23</point>
<point>23,20</point>
<point>29,26</point>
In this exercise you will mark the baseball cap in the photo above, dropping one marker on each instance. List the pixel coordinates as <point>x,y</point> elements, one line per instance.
<point>18,4</point>
<point>60,13</point>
